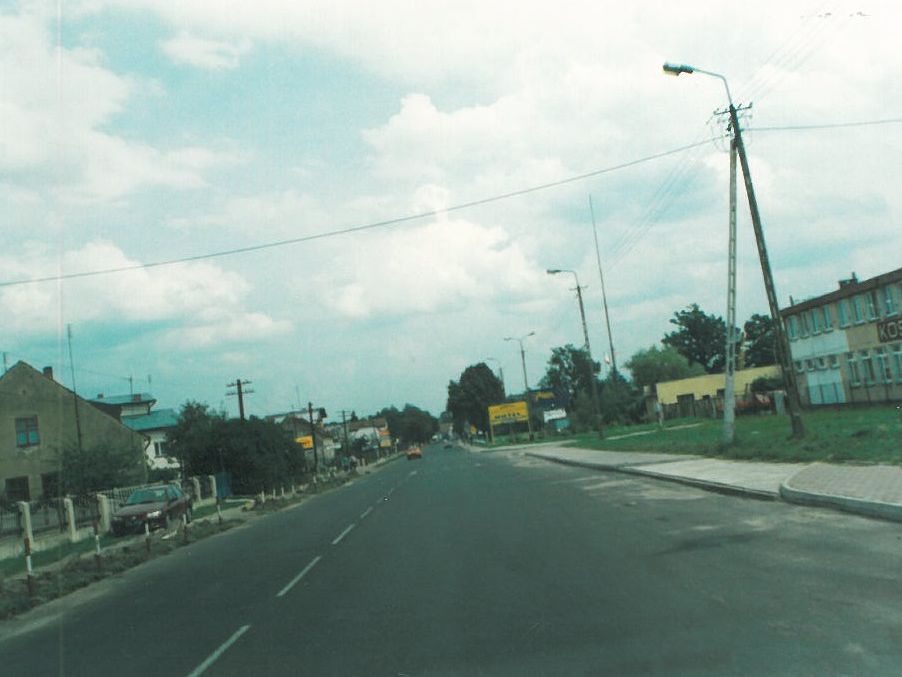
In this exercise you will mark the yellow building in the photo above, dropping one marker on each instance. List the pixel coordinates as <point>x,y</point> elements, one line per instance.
<point>685,392</point>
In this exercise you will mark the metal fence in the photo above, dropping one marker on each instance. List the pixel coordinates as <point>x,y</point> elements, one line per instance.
<point>47,515</point>
<point>86,510</point>
<point>10,520</point>
<point>119,495</point>
<point>206,486</point>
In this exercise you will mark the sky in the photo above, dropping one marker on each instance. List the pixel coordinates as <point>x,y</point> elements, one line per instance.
<point>144,131</point>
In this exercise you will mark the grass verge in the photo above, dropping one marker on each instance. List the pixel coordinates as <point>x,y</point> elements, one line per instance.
<point>862,435</point>
<point>80,571</point>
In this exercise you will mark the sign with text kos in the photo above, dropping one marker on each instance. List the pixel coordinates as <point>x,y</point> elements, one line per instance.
<point>510,412</point>
<point>889,330</point>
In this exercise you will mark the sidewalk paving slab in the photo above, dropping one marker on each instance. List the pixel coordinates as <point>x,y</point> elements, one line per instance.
<point>874,490</point>
<point>747,478</point>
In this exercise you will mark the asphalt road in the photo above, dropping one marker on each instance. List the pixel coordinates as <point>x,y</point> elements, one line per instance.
<point>494,564</point>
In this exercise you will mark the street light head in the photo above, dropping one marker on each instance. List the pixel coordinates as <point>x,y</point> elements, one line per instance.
<point>532,333</point>
<point>552,271</point>
<point>677,68</point>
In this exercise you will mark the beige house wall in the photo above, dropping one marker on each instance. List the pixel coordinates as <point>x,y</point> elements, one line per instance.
<point>26,392</point>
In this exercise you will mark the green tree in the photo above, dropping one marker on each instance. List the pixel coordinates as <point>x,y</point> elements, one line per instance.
<point>655,365</point>
<point>411,425</point>
<point>760,342</point>
<point>620,401</point>
<point>470,396</point>
<point>569,371</point>
<point>102,466</point>
<point>700,338</point>
<point>258,454</point>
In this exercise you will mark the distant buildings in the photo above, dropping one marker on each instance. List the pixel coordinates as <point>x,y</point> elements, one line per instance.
<point>38,419</point>
<point>846,345</point>
<point>135,411</point>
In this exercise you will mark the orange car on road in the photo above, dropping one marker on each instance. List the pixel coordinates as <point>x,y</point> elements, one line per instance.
<point>414,452</point>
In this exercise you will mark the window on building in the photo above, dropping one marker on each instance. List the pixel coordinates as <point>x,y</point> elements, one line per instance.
<point>857,309</point>
<point>842,310</point>
<point>27,432</point>
<point>889,300</point>
<point>803,324</point>
<point>159,449</point>
<point>792,326</point>
<point>50,485</point>
<point>815,320</point>
<point>16,488</point>
<point>822,363</point>
<point>828,318</point>
<point>870,301</point>
<point>884,373</point>
<point>834,361</point>
<point>897,360</point>
<point>852,366</point>
<point>810,365</point>
<point>799,366</point>
<point>867,367</point>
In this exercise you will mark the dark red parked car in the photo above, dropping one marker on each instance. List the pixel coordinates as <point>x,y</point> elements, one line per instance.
<point>157,507</point>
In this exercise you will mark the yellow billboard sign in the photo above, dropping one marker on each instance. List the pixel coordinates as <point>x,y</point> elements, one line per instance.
<point>510,412</point>
<point>305,441</point>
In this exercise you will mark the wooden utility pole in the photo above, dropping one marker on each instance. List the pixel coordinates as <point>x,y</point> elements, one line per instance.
<point>240,391</point>
<point>782,344</point>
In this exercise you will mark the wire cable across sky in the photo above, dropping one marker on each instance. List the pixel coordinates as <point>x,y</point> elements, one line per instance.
<point>387,223</point>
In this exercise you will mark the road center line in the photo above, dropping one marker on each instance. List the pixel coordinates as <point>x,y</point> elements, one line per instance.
<point>213,657</point>
<point>294,580</point>
<point>343,534</point>
<point>366,512</point>
<point>412,473</point>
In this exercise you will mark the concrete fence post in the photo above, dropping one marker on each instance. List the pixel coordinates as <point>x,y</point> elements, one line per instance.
<point>69,507</point>
<point>195,482</point>
<point>213,492</point>
<point>25,512</point>
<point>106,513</point>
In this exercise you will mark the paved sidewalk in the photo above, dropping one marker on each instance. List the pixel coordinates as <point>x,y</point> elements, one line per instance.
<point>874,490</point>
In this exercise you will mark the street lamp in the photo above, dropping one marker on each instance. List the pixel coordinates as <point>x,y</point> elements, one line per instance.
<point>500,371</point>
<point>522,355</point>
<point>525,381</point>
<point>780,340</point>
<point>582,315</point>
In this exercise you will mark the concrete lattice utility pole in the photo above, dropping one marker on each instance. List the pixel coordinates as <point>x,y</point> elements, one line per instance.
<point>781,342</point>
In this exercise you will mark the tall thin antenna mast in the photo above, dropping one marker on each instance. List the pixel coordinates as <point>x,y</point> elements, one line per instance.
<point>604,297</point>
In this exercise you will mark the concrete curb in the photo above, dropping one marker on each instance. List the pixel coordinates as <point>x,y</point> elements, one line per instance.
<point>708,485</point>
<point>859,506</point>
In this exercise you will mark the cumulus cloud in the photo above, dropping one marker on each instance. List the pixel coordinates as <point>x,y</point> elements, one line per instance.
<point>205,302</point>
<point>56,110</point>
<point>205,53</point>
<point>434,267</point>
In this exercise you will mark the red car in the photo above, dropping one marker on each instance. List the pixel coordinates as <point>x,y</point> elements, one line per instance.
<point>157,507</point>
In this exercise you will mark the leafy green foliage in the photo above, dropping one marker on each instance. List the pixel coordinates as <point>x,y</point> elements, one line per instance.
<point>470,397</point>
<point>766,384</point>
<point>569,371</point>
<point>700,338</point>
<point>258,454</point>
<point>101,466</point>
<point>411,425</point>
<point>656,365</point>
<point>760,341</point>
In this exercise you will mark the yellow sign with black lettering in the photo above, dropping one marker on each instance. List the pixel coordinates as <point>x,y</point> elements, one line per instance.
<point>510,412</point>
<point>305,441</point>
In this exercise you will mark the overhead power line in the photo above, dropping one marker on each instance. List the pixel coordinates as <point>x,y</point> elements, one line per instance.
<point>360,228</point>
<point>829,125</point>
